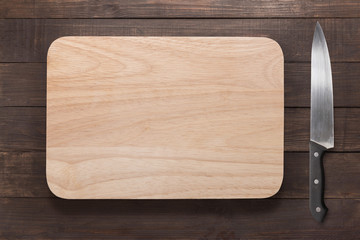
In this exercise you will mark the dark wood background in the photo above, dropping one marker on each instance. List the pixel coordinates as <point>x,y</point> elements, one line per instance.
<point>29,211</point>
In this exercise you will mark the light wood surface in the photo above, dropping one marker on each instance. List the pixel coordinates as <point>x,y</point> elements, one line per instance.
<point>164,117</point>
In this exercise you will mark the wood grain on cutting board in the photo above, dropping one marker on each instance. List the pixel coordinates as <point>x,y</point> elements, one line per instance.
<point>164,117</point>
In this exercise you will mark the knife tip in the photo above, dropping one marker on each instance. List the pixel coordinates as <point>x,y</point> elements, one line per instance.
<point>318,33</point>
<point>317,26</point>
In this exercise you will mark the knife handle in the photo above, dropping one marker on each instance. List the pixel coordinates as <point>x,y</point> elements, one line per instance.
<point>317,183</point>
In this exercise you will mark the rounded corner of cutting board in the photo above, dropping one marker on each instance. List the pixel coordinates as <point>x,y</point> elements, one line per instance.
<point>276,46</point>
<point>271,192</point>
<point>52,187</point>
<point>54,43</point>
<point>53,190</point>
<point>277,188</point>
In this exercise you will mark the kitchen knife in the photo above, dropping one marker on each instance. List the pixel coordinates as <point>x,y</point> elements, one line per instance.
<point>321,120</point>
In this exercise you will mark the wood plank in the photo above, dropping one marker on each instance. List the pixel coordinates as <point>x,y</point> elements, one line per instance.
<point>188,219</point>
<point>345,83</point>
<point>23,175</point>
<point>27,40</point>
<point>24,84</point>
<point>297,129</point>
<point>23,185</point>
<point>23,129</point>
<point>341,175</point>
<point>183,9</point>
<point>30,163</point>
<point>188,108</point>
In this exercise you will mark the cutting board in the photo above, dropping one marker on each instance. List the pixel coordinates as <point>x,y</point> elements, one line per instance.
<point>164,117</point>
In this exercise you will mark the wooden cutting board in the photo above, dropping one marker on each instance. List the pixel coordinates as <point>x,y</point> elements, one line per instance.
<point>164,117</point>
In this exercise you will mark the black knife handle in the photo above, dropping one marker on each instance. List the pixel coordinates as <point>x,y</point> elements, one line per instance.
<point>317,182</point>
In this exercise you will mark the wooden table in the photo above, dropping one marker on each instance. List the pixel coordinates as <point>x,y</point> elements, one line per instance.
<point>28,209</point>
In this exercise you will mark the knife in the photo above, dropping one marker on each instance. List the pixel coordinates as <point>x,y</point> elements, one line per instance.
<point>321,121</point>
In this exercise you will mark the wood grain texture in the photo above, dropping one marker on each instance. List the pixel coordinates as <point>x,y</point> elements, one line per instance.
<point>156,117</point>
<point>24,84</point>
<point>23,175</point>
<point>23,129</point>
<point>176,9</point>
<point>27,40</point>
<point>180,219</point>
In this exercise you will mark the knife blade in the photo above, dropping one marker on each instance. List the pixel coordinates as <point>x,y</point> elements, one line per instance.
<point>321,121</point>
